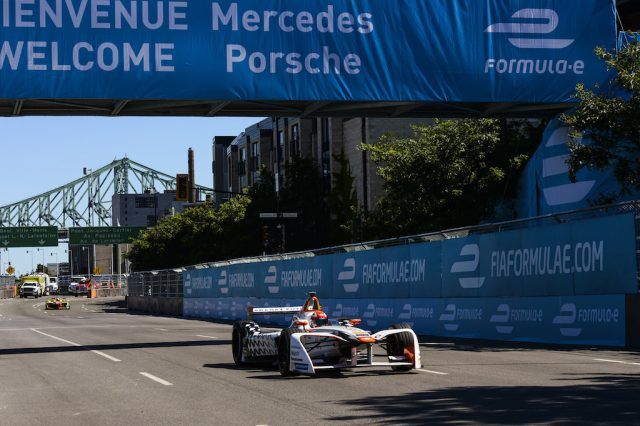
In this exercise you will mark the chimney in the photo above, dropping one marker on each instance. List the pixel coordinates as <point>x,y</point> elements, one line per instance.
<point>192,178</point>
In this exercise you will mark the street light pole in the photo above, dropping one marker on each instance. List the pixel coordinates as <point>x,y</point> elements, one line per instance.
<point>88,266</point>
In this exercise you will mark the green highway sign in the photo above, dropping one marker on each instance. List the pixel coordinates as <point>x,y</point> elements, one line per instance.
<point>29,236</point>
<point>103,235</point>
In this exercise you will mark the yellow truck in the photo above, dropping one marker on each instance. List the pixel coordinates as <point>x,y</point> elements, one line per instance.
<point>34,285</point>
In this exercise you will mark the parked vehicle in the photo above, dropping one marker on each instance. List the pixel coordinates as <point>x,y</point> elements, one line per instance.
<point>30,288</point>
<point>73,284</point>
<point>81,287</point>
<point>52,288</point>
<point>34,285</point>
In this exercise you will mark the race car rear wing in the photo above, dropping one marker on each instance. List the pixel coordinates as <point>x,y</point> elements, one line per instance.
<point>251,311</point>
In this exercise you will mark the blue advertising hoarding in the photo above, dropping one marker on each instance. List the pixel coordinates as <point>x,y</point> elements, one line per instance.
<point>582,320</point>
<point>563,283</point>
<point>532,51</point>
<point>594,256</point>
<point>545,187</point>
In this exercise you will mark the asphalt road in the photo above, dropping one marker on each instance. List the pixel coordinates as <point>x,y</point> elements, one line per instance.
<point>97,364</point>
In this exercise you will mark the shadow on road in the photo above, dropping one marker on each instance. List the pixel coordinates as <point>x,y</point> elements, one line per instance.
<point>112,346</point>
<point>473,345</point>
<point>601,399</point>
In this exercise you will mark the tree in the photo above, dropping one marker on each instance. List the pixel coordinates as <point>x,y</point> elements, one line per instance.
<point>343,201</point>
<point>610,118</point>
<point>199,234</point>
<point>446,175</point>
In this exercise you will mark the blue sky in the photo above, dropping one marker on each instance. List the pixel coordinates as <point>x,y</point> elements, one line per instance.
<point>41,153</point>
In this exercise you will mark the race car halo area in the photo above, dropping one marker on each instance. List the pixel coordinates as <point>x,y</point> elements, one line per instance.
<point>97,363</point>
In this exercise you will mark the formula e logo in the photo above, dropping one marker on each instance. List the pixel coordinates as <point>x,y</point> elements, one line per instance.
<point>448,317</point>
<point>369,315</point>
<point>405,315</point>
<point>222,282</point>
<point>502,317</point>
<point>523,25</point>
<point>348,273</point>
<point>271,278</point>
<point>556,165</point>
<point>468,266</point>
<point>341,311</point>
<point>567,317</point>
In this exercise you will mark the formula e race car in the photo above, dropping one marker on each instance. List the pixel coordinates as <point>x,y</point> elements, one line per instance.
<point>313,342</point>
<point>57,304</point>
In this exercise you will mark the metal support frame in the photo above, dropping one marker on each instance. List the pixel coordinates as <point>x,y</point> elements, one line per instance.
<point>87,201</point>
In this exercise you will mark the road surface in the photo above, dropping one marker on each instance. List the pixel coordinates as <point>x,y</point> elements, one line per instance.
<point>98,364</point>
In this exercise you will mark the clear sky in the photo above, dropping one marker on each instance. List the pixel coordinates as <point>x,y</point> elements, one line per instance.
<point>40,153</point>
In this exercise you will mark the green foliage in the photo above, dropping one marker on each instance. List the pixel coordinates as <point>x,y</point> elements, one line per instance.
<point>343,202</point>
<point>199,234</point>
<point>610,118</point>
<point>446,175</point>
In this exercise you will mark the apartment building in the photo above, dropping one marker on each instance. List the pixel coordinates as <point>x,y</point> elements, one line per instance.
<point>274,141</point>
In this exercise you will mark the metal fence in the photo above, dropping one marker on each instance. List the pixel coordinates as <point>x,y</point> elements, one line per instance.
<point>169,283</point>
<point>7,292</point>
<point>166,283</point>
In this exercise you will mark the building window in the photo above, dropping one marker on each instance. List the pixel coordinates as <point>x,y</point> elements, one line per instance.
<point>255,157</point>
<point>145,202</point>
<point>242,162</point>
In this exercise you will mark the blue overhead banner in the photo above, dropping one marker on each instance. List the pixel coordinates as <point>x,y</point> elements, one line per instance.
<point>532,51</point>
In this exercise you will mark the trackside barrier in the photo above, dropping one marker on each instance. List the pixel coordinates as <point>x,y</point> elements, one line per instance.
<point>586,257</point>
<point>564,278</point>
<point>582,320</point>
<point>8,292</point>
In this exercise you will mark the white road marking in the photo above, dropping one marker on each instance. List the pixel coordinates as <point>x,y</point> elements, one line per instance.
<point>156,379</point>
<point>162,329</point>
<point>422,370</point>
<point>205,336</point>
<point>617,361</point>
<point>102,354</point>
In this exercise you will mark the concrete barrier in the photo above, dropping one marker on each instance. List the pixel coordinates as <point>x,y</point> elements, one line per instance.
<point>111,292</point>
<point>155,305</point>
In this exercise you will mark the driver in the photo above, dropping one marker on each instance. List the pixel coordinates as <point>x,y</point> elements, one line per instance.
<point>318,318</point>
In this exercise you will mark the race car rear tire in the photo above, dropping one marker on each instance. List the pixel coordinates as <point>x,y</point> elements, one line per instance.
<point>284,352</point>
<point>396,343</point>
<point>241,329</point>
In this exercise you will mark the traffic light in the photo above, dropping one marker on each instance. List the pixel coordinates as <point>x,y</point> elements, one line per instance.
<point>182,187</point>
<point>266,237</point>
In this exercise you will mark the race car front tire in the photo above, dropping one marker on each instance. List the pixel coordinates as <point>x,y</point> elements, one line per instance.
<point>396,344</point>
<point>284,352</point>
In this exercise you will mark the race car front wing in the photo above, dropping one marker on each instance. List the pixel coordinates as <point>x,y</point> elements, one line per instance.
<point>302,362</point>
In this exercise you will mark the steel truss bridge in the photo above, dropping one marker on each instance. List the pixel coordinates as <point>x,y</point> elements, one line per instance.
<point>87,201</point>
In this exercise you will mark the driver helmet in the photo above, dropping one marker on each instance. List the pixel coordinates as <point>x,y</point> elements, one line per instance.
<point>318,318</point>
